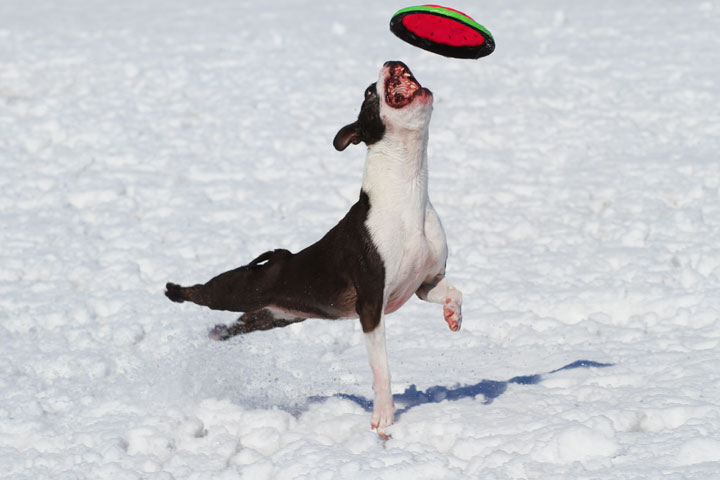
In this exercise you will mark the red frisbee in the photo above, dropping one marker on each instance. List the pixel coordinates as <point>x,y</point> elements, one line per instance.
<point>442,30</point>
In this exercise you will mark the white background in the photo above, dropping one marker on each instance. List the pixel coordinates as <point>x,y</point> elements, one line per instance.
<point>576,171</point>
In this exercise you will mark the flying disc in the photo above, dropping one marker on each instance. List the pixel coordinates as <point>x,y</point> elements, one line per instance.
<point>442,30</point>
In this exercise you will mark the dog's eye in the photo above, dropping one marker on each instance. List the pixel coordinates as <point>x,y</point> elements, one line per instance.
<point>370,91</point>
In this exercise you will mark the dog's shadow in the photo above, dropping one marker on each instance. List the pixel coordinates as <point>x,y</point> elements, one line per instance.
<point>489,389</point>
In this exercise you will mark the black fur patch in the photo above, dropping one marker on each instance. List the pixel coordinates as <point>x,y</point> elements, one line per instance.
<point>368,128</point>
<point>370,124</point>
<point>341,275</point>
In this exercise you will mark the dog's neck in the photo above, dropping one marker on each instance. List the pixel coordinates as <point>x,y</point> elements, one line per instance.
<point>396,175</point>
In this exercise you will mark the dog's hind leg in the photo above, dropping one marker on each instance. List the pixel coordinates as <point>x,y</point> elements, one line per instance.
<point>224,292</point>
<point>240,290</point>
<point>263,319</point>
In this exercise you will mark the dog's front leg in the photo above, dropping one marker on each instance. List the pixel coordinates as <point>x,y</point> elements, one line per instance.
<point>372,319</point>
<point>439,290</point>
<point>383,406</point>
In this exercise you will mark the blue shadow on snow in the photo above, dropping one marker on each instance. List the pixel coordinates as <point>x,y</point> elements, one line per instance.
<point>489,389</point>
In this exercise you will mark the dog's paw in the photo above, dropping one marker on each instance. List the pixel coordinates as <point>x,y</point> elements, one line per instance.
<point>175,292</point>
<point>383,415</point>
<point>453,314</point>
<point>219,333</point>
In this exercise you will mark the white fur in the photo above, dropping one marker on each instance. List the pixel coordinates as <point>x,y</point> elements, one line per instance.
<point>405,229</point>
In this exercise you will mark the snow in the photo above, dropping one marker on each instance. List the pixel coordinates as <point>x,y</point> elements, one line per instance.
<point>576,171</point>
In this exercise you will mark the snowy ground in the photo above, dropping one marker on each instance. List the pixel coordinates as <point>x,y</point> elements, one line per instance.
<point>576,171</point>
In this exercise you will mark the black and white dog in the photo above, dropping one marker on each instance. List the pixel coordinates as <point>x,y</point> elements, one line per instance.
<point>389,246</point>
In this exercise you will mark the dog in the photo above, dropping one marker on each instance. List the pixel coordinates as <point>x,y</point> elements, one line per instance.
<point>389,246</point>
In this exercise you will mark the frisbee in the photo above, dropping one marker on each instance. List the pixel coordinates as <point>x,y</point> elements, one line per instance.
<point>442,30</point>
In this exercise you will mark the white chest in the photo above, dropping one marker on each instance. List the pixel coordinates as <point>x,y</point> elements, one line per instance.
<point>406,253</point>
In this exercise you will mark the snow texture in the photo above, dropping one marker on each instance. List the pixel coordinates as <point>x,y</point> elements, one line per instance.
<point>576,171</point>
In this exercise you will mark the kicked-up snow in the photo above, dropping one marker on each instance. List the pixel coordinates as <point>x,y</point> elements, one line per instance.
<point>576,171</point>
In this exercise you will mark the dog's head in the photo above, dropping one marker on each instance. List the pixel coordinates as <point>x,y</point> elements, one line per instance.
<point>396,103</point>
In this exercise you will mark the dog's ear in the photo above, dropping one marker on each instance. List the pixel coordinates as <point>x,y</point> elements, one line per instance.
<point>347,135</point>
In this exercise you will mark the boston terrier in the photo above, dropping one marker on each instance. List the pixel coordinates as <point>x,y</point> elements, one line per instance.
<point>389,246</point>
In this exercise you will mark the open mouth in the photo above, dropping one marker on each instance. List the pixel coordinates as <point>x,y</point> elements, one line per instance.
<point>401,87</point>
